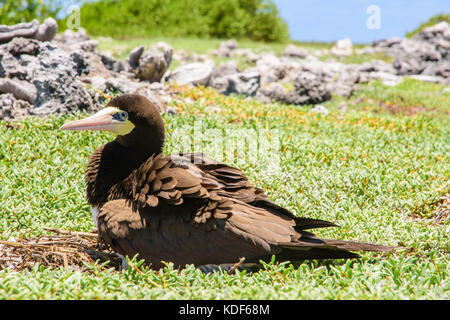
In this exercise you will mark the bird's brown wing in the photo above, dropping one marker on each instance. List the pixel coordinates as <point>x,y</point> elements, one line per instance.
<point>205,213</point>
<point>164,234</point>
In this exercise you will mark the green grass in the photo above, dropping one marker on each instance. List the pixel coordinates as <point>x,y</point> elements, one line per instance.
<point>369,170</point>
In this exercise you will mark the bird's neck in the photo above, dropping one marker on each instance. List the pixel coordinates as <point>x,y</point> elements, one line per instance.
<point>110,164</point>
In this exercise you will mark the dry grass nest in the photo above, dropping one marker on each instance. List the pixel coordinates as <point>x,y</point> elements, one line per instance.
<point>68,249</point>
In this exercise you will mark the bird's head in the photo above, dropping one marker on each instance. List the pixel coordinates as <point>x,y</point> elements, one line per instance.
<point>133,118</point>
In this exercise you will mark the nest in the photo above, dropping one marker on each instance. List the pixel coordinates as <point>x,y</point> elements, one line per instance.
<point>67,249</point>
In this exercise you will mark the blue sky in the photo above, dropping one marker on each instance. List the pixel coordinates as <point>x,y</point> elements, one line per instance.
<point>330,20</point>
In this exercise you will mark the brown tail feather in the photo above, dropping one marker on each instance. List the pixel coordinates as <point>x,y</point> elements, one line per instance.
<point>359,246</point>
<point>315,248</point>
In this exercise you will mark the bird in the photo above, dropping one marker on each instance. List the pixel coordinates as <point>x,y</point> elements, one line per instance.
<point>186,208</point>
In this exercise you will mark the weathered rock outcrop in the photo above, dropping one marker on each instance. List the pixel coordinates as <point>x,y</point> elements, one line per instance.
<point>34,30</point>
<point>43,75</point>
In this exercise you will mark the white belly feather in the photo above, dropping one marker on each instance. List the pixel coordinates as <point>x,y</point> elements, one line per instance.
<point>95,211</point>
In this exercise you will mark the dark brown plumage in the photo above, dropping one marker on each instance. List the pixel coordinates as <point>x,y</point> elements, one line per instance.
<point>188,209</point>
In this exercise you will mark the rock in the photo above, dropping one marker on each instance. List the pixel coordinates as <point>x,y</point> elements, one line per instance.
<point>248,54</point>
<point>230,44</point>
<point>12,108</point>
<point>133,58</point>
<point>226,49</point>
<point>343,47</point>
<point>440,30</point>
<point>171,111</point>
<point>406,66</point>
<point>224,69</point>
<point>295,52</point>
<point>47,30</point>
<point>87,45</point>
<point>272,92</point>
<point>112,64</point>
<point>427,52</point>
<point>320,109</point>
<point>386,78</point>
<point>337,78</point>
<point>422,77</point>
<point>152,64</point>
<point>44,75</point>
<point>387,43</point>
<point>20,89</point>
<point>267,66</point>
<point>25,30</point>
<point>439,69</point>
<point>124,85</point>
<point>376,66</point>
<point>96,82</point>
<point>185,56</point>
<point>70,37</point>
<point>81,61</point>
<point>42,32</point>
<point>192,74</point>
<point>309,89</point>
<point>245,83</point>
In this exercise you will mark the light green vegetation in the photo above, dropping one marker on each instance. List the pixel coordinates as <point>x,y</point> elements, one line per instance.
<point>373,169</point>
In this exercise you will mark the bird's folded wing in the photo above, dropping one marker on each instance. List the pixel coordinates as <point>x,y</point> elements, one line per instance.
<point>172,236</point>
<point>175,178</point>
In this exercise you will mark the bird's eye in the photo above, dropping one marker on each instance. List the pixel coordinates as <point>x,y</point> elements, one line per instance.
<point>120,116</point>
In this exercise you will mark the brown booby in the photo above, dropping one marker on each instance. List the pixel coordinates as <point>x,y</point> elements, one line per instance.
<point>186,208</point>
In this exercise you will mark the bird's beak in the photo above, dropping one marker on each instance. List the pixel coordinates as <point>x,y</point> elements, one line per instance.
<point>102,120</point>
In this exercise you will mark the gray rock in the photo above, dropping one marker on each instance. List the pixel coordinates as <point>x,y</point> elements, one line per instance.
<point>70,37</point>
<point>35,30</point>
<point>47,30</point>
<point>20,89</point>
<point>245,83</point>
<point>342,47</point>
<point>309,89</point>
<point>124,85</point>
<point>112,64</point>
<point>87,45</point>
<point>81,60</point>
<point>133,58</point>
<point>386,78</point>
<point>295,52</point>
<point>427,52</point>
<point>151,65</point>
<point>46,68</point>
<point>422,77</point>
<point>192,74</point>
<point>25,30</point>
<point>440,30</point>
<point>12,108</point>
<point>376,66</point>
<point>224,69</point>
<point>226,49</point>
<point>268,66</point>
<point>248,54</point>
<point>320,109</point>
<point>272,92</point>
